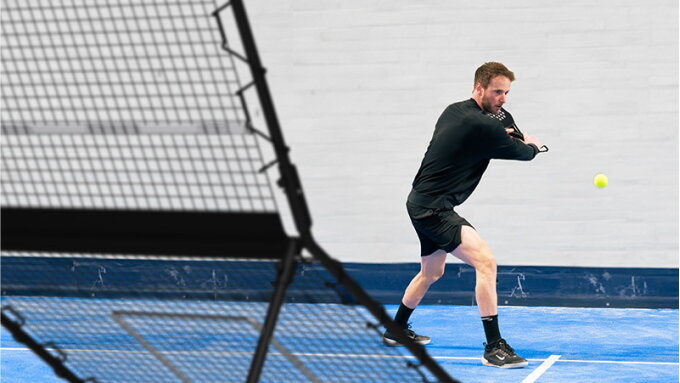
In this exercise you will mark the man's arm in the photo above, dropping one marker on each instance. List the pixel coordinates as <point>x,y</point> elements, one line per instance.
<point>513,131</point>
<point>527,139</point>
<point>499,144</point>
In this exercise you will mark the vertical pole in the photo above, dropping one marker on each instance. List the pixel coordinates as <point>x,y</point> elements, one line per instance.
<point>287,267</point>
<point>293,188</point>
<point>289,177</point>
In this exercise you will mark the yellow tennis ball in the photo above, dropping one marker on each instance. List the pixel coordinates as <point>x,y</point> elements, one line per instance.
<point>600,180</point>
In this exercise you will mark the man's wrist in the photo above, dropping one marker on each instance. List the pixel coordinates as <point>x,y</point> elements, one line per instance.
<point>536,149</point>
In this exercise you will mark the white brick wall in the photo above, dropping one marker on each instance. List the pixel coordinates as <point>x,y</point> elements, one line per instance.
<point>359,84</point>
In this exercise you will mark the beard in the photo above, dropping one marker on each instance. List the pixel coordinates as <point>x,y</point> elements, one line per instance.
<point>489,107</point>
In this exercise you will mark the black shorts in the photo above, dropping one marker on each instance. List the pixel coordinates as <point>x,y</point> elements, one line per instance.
<point>437,229</point>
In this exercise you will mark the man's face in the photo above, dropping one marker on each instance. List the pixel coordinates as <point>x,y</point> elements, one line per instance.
<point>495,95</point>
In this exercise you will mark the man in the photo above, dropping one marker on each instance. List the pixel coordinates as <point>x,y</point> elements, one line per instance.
<point>467,135</point>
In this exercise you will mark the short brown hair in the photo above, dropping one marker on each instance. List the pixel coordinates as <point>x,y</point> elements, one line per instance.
<point>486,72</point>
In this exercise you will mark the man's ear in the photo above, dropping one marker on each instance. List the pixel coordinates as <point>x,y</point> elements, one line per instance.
<point>478,89</point>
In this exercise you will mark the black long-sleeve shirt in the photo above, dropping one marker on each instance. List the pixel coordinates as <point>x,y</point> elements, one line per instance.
<point>465,139</point>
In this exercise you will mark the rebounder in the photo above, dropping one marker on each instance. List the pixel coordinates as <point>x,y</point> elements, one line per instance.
<point>142,240</point>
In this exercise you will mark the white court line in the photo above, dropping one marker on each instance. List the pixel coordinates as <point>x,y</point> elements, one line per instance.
<point>541,369</point>
<point>329,355</point>
<point>617,361</point>
<point>566,360</point>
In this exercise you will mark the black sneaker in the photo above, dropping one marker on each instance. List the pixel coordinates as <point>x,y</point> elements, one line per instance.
<point>500,354</point>
<point>391,340</point>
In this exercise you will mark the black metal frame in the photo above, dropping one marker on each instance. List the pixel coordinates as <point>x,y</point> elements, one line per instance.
<point>20,236</point>
<point>290,182</point>
<point>284,277</point>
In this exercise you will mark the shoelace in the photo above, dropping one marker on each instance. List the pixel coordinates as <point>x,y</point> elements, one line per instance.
<point>505,348</point>
<point>410,332</point>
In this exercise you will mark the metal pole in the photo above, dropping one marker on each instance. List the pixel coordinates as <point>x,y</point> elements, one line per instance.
<point>291,184</point>
<point>289,177</point>
<point>287,267</point>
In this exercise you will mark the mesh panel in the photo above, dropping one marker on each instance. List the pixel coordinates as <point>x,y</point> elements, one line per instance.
<point>147,172</point>
<point>138,106</point>
<point>84,63</point>
<point>126,105</point>
<point>182,320</point>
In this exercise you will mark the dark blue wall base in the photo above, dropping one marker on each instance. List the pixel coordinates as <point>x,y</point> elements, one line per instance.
<point>530,285</point>
<point>252,281</point>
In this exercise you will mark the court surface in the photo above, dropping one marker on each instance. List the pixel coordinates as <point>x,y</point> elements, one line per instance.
<point>562,345</point>
<point>589,345</point>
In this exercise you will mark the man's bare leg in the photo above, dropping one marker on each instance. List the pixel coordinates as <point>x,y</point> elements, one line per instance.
<point>473,251</point>
<point>476,253</point>
<point>431,269</point>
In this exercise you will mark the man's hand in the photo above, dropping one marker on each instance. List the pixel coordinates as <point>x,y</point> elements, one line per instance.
<point>532,140</point>
<point>516,134</point>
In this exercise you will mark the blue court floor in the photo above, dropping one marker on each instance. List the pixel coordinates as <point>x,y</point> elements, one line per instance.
<point>562,345</point>
<point>586,345</point>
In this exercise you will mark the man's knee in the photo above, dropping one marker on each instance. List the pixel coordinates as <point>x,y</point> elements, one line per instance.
<point>486,264</point>
<point>432,276</point>
<point>432,267</point>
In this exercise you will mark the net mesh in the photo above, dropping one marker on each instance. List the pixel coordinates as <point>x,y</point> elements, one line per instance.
<point>185,320</point>
<point>82,63</point>
<point>145,172</point>
<point>139,106</point>
<point>125,105</point>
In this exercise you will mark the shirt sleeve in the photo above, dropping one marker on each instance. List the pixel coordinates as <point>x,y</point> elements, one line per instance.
<point>495,143</point>
<point>504,147</point>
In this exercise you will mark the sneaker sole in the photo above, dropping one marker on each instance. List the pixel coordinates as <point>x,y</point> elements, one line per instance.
<point>514,365</point>
<point>394,343</point>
